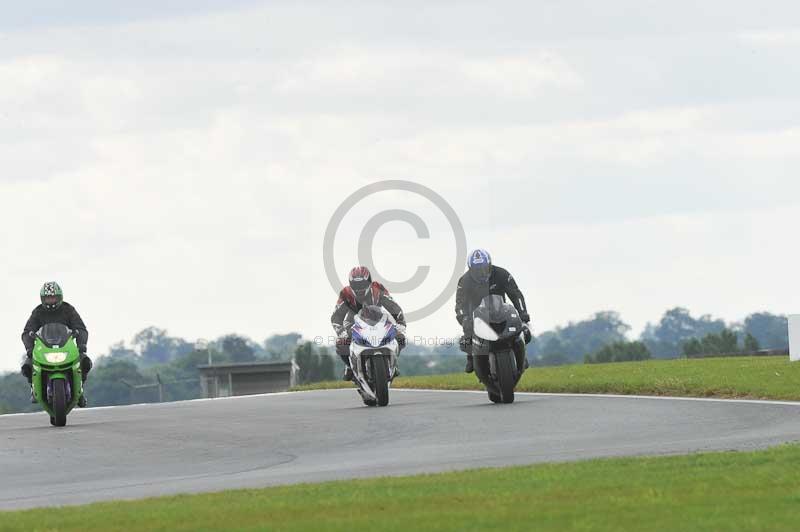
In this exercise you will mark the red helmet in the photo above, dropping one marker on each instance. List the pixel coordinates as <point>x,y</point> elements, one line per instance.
<point>360,280</point>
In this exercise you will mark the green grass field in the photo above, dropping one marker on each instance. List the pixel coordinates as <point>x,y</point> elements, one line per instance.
<point>754,491</point>
<point>747,377</point>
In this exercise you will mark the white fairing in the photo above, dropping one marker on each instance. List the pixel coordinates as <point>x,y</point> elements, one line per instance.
<point>483,330</point>
<point>374,335</point>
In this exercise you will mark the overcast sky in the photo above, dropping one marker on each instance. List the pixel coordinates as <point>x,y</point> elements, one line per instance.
<point>176,163</point>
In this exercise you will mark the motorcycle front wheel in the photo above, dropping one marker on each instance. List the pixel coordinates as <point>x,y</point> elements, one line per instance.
<point>505,376</point>
<point>60,402</point>
<point>380,380</point>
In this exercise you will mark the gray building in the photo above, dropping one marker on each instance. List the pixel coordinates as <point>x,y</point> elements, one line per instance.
<point>248,378</point>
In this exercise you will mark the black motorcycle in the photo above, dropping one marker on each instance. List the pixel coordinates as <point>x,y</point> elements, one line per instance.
<point>498,347</point>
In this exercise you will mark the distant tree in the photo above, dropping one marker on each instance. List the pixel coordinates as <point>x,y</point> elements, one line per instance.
<point>237,349</point>
<point>770,330</point>
<point>728,341</point>
<point>15,393</point>
<point>692,347</point>
<point>751,344</point>
<point>536,347</point>
<point>725,342</point>
<point>620,352</point>
<point>189,361</point>
<point>573,342</point>
<point>327,370</point>
<point>281,346</point>
<point>178,384</point>
<point>677,326</point>
<point>119,351</point>
<point>105,385</point>
<point>158,348</point>
<point>552,345</point>
<point>315,366</point>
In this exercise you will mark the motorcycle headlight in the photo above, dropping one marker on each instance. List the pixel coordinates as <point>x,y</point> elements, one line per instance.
<point>483,330</point>
<point>55,358</point>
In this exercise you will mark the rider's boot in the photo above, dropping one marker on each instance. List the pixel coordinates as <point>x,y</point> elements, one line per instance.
<point>33,396</point>
<point>470,368</point>
<point>348,374</point>
<point>86,367</point>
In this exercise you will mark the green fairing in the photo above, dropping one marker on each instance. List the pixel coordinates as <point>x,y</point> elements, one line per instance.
<point>70,369</point>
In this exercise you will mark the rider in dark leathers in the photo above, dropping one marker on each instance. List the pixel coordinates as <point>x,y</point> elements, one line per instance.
<point>53,309</point>
<point>483,279</point>
<point>362,291</point>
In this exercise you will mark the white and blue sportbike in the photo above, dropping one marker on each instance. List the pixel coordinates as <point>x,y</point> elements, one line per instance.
<point>373,354</point>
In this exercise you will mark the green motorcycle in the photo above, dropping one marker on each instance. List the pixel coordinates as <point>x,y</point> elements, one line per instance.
<point>57,383</point>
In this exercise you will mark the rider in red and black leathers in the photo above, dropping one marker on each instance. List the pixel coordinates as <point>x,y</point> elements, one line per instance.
<point>483,279</point>
<point>362,291</point>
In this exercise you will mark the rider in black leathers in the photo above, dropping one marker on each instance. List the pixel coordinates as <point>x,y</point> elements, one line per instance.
<point>53,309</point>
<point>483,279</point>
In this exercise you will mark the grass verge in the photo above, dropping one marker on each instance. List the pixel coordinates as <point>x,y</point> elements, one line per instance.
<point>742,377</point>
<point>714,491</point>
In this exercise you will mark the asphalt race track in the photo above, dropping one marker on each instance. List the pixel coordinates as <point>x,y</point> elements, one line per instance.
<point>209,445</point>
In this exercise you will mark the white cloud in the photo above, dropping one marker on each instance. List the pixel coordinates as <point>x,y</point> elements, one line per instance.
<point>789,37</point>
<point>360,71</point>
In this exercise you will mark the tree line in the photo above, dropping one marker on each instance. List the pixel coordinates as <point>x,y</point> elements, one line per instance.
<point>604,338</point>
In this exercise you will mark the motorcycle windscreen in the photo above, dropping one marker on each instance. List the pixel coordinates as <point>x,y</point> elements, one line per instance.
<point>500,316</point>
<point>492,306</point>
<point>54,334</point>
<point>371,315</point>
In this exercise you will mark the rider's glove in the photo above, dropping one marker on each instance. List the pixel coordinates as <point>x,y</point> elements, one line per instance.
<point>465,344</point>
<point>343,338</point>
<point>27,370</point>
<point>525,317</point>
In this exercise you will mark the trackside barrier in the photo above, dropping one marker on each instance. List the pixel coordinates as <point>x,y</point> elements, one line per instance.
<point>794,338</point>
